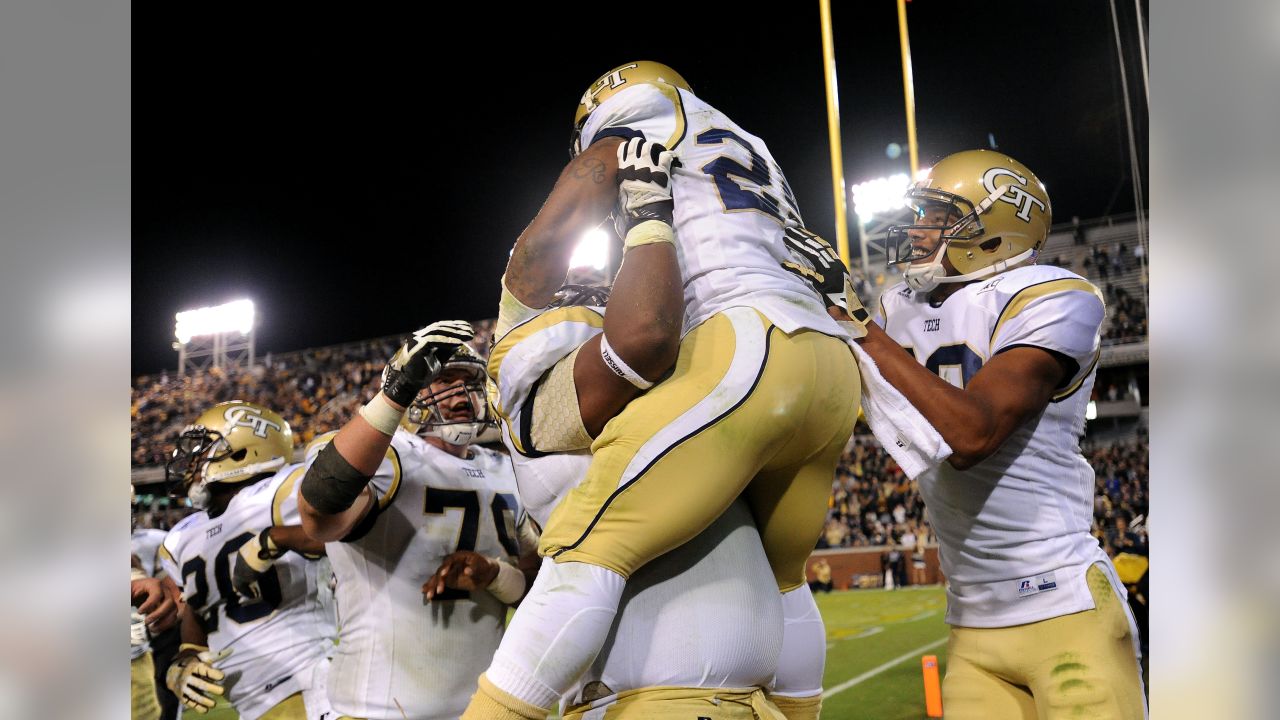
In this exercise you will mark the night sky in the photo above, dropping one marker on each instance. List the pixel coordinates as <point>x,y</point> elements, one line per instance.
<point>361,177</point>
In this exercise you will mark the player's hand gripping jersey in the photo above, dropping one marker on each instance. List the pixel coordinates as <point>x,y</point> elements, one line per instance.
<point>672,628</point>
<point>731,203</point>
<point>397,650</point>
<point>279,645</point>
<point>1014,529</point>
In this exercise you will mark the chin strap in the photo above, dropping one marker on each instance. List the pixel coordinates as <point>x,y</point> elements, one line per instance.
<point>927,277</point>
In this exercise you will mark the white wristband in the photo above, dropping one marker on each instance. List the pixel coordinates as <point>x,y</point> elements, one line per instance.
<point>508,585</point>
<point>620,368</point>
<point>379,413</point>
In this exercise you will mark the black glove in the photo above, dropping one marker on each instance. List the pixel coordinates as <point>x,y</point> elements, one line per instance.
<point>418,361</point>
<point>817,263</point>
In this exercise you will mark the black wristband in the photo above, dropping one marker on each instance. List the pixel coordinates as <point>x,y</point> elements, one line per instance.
<point>331,484</point>
<point>264,551</point>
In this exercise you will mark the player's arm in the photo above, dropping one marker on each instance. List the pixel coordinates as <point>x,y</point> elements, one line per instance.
<point>334,495</point>
<point>1011,388</point>
<point>580,200</point>
<point>506,581</point>
<point>645,312</point>
<point>260,552</point>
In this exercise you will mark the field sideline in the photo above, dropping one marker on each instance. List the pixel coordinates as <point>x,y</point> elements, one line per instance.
<point>874,642</point>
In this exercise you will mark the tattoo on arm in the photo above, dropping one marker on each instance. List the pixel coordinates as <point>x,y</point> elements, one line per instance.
<point>592,169</point>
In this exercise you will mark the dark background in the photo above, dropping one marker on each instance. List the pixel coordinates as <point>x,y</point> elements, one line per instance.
<point>361,176</point>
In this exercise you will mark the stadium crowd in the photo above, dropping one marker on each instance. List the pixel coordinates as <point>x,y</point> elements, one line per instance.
<point>316,391</point>
<point>872,501</point>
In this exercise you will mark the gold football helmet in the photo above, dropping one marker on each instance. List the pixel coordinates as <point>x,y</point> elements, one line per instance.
<point>616,80</point>
<point>230,442</point>
<point>426,416</point>
<point>998,217</point>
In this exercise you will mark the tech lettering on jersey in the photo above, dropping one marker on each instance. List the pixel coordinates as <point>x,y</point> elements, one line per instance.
<point>243,416</point>
<point>932,324</point>
<point>1014,195</point>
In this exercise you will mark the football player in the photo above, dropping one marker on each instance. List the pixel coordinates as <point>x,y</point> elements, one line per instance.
<point>395,506</point>
<point>269,656</point>
<point>674,644</point>
<point>145,545</point>
<point>999,353</point>
<point>760,402</point>
<point>154,610</point>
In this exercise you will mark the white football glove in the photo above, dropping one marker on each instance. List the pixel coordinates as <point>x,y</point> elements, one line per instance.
<point>137,629</point>
<point>194,679</point>
<point>644,183</point>
<point>418,361</point>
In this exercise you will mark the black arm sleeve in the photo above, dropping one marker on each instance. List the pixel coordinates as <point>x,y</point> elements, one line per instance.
<point>331,484</point>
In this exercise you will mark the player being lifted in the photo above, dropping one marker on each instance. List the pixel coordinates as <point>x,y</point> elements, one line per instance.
<point>760,403</point>
<point>675,643</point>
<point>1000,356</point>
<point>268,656</point>
<point>393,507</point>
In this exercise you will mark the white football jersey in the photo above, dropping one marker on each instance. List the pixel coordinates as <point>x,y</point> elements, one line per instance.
<point>279,645</point>
<point>400,655</point>
<point>1013,529</point>
<point>673,627</point>
<point>731,202</point>
<point>145,544</point>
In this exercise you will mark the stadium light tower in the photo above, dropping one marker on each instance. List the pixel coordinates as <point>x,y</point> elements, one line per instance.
<point>217,337</point>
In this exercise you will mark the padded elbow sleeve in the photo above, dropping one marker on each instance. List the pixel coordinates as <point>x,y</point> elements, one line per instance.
<point>331,484</point>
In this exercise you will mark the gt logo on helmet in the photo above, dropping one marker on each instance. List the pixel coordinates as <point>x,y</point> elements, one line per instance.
<point>241,416</point>
<point>613,79</point>
<point>1014,195</point>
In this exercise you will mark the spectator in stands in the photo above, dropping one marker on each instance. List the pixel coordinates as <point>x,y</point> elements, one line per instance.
<point>822,577</point>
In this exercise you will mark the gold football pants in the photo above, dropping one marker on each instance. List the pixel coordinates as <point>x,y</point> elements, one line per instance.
<point>1082,665</point>
<point>142,687</point>
<point>747,408</point>
<point>680,704</point>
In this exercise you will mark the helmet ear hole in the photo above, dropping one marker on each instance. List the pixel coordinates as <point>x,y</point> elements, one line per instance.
<point>991,245</point>
<point>239,454</point>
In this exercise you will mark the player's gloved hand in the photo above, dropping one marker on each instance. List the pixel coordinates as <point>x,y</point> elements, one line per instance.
<point>193,677</point>
<point>253,559</point>
<point>419,360</point>
<point>644,184</point>
<point>817,263</point>
<point>856,325</point>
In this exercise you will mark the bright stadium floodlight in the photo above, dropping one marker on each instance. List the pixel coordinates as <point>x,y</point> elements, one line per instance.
<point>235,316</point>
<point>592,251</point>
<point>881,195</point>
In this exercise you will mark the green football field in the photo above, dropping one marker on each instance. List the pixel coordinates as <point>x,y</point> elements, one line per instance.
<point>874,642</point>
